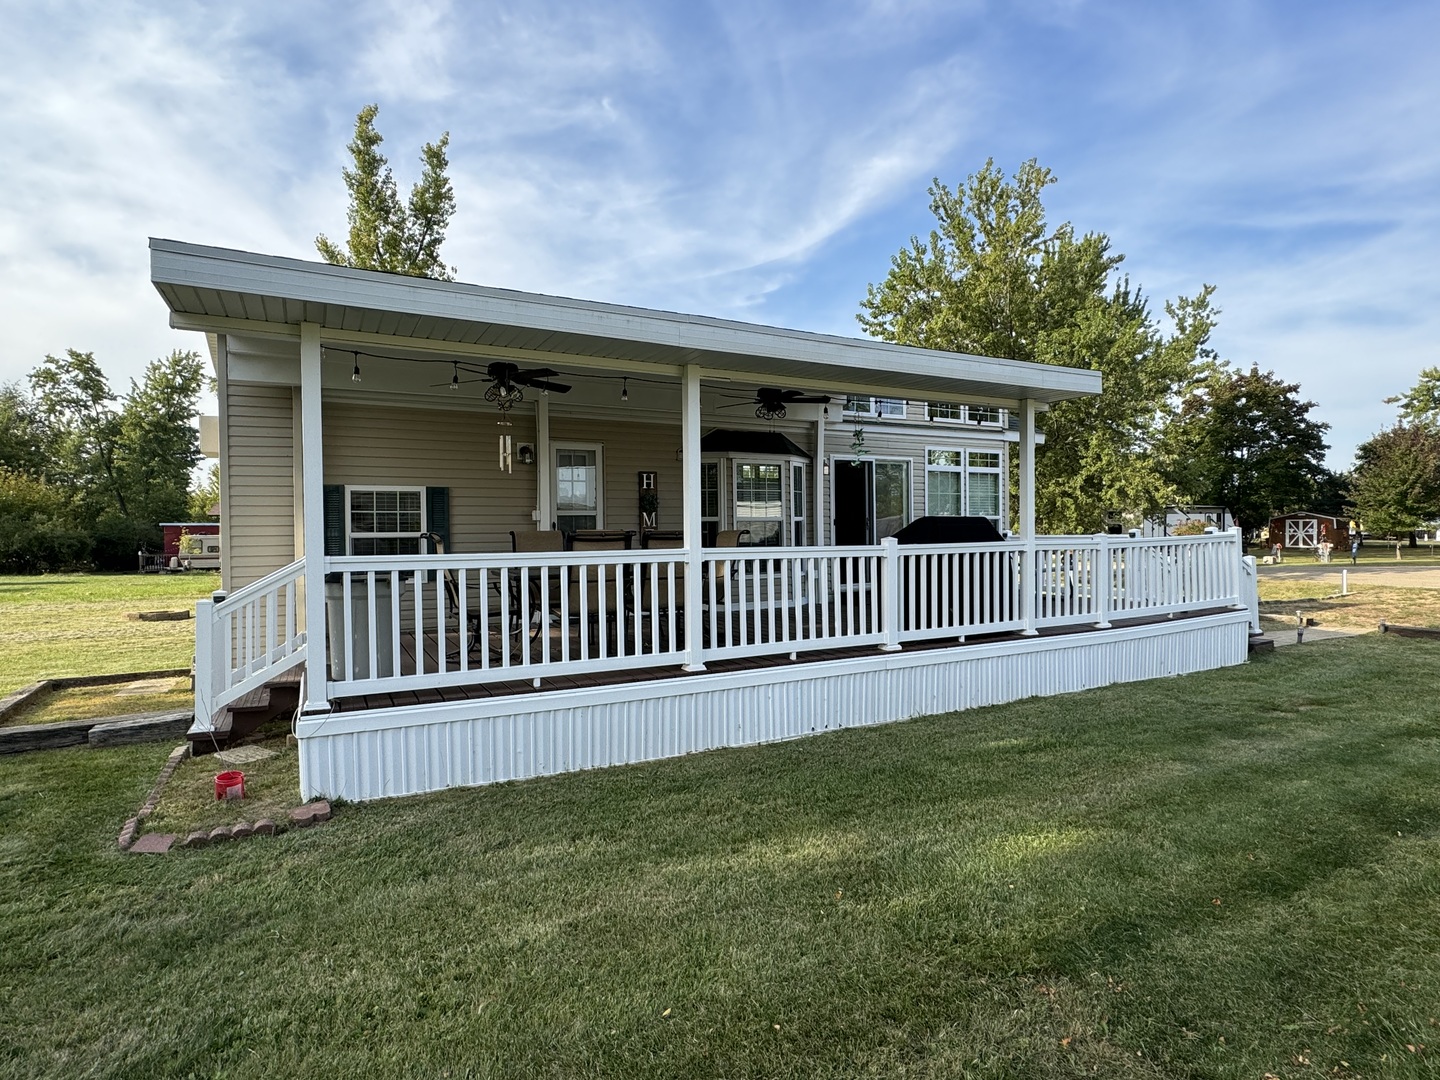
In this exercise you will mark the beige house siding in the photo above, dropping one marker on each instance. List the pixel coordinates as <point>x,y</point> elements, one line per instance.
<point>370,445</point>
<point>630,449</point>
<point>259,490</point>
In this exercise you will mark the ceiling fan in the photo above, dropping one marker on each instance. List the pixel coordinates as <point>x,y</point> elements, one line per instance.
<point>770,401</point>
<point>508,382</point>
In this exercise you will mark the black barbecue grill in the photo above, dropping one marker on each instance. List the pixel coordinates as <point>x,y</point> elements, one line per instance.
<point>949,530</point>
<point>989,575</point>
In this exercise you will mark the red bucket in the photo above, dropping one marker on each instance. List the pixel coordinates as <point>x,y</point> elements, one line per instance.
<point>230,785</point>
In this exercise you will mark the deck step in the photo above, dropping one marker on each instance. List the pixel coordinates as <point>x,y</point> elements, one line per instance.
<point>259,698</point>
<point>1261,643</point>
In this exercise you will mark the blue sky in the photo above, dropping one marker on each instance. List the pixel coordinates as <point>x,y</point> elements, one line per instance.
<point>759,161</point>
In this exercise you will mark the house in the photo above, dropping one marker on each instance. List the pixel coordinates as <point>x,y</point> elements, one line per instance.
<point>1306,529</point>
<point>1172,518</point>
<point>368,422</point>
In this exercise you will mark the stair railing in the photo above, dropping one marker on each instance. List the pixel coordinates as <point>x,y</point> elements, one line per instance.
<point>246,638</point>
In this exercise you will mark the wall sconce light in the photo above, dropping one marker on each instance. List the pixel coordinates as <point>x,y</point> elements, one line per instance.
<point>825,469</point>
<point>525,454</point>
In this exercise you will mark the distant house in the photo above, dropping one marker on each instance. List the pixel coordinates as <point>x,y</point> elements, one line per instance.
<point>1167,521</point>
<point>1307,529</point>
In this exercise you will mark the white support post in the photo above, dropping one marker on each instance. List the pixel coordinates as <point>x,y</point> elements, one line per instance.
<point>222,394</point>
<point>312,457</point>
<point>694,568</point>
<point>544,496</point>
<point>818,531</point>
<point>204,658</point>
<point>1104,581</point>
<point>1027,514</point>
<point>890,594</point>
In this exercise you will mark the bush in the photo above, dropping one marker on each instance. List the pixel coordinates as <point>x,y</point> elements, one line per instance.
<point>36,534</point>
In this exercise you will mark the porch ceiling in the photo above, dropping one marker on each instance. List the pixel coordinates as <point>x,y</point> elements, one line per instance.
<point>220,289</point>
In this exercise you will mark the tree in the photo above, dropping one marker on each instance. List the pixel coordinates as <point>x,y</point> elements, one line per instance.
<point>1396,483</point>
<point>1245,440</point>
<point>993,279</point>
<point>77,405</point>
<point>157,446</point>
<point>1420,405</point>
<point>386,234</point>
<point>23,437</point>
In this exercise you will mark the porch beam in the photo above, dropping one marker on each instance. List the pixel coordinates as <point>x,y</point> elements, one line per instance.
<point>312,458</point>
<point>222,393</point>
<point>819,532</point>
<point>690,464</point>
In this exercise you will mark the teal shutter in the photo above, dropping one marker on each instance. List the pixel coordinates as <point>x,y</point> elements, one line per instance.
<point>335,519</point>
<point>437,513</point>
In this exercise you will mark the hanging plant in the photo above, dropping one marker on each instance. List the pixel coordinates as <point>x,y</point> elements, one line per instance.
<point>857,444</point>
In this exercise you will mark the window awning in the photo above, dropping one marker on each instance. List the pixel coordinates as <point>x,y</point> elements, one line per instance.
<point>740,441</point>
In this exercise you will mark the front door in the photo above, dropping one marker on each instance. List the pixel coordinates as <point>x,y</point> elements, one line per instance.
<point>852,491</point>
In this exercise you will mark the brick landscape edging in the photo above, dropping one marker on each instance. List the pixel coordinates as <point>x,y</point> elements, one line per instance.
<point>302,817</point>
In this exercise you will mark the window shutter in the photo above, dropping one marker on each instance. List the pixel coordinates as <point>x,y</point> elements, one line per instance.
<point>334,519</point>
<point>437,513</point>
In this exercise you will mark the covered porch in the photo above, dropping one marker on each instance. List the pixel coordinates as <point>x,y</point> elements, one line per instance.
<point>394,636</point>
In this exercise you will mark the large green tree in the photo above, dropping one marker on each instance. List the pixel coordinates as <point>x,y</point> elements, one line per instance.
<point>1396,482</point>
<point>79,410</point>
<point>993,278</point>
<point>157,445</point>
<point>385,233</point>
<point>1245,440</point>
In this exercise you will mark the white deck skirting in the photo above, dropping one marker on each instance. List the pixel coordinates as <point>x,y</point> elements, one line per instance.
<point>403,751</point>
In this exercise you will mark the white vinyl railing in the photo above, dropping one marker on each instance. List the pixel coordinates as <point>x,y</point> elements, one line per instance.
<point>402,623</point>
<point>246,638</point>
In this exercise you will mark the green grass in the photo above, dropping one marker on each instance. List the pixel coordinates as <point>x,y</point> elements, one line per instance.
<point>74,624</point>
<point>1222,875</point>
<point>1363,608</point>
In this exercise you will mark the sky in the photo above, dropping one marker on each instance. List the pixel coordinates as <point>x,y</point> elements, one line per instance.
<point>751,160</point>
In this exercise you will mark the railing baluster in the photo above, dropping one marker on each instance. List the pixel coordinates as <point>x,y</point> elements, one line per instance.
<point>462,617</point>
<point>372,654</point>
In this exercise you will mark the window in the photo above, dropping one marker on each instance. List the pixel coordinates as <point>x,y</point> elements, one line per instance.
<point>578,503</point>
<point>963,414</point>
<point>759,503</point>
<point>892,497</point>
<point>386,521</point>
<point>962,483</point>
<point>797,504</point>
<point>709,502</point>
<point>863,405</point>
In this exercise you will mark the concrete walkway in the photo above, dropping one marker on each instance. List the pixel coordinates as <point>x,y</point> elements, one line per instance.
<point>1312,634</point>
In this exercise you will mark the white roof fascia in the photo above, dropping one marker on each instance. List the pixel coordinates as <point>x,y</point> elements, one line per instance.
<point>690,338</point>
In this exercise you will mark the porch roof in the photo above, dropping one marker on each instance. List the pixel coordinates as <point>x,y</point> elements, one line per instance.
<point>224,290</point>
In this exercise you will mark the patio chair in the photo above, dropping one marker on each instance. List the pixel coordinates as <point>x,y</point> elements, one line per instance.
<point>661,600</point>
<point>452,602</point>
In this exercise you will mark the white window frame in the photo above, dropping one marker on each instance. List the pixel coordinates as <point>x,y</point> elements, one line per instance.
<point>599,448</point>
<point>966,417</point>
<point>877,408</point>
<point>966,470</point>
<point>728,478</point>
<point>839,460</point>
<point>350,534</point>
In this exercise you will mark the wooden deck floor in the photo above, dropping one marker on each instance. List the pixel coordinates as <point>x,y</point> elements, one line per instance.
<point>520,687</point>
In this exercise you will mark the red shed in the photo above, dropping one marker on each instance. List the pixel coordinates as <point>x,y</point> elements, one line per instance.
<point>210,529</point>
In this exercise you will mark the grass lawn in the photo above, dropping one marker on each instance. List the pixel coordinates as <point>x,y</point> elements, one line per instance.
<point>1231,874</point>
<point>74,624</point>
<point>1363,608</point>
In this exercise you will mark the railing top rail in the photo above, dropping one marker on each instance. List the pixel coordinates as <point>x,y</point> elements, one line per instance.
<point>286,574</point>
<point>383,564</point>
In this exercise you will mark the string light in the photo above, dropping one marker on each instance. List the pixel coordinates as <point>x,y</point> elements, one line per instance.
<point>455,379</point>
<point>355,375</point>
<point>625,390</point>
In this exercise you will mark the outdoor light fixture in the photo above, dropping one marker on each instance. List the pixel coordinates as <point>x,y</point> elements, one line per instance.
<point>624,389</point>
<point>355,375</point>
<point>455,379</point>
